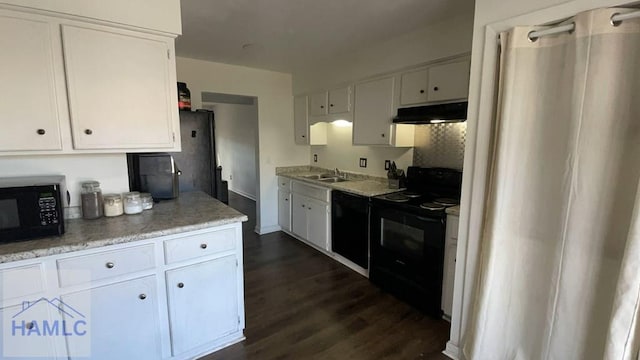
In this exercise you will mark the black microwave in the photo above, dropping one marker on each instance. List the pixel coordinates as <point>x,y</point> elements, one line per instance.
<point>31,207</point>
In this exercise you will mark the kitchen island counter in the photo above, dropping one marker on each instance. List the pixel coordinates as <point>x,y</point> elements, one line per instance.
<point>191,211</point>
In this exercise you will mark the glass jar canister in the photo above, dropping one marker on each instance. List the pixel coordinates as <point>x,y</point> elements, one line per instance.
<point>147,201</point>
<point>113,205</point>
<point>132,203</point>
<point>91,197</point>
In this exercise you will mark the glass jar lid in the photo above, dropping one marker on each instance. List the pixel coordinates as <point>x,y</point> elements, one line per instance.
<point>131,195</point>
<point>112,197</point>
<point>90,185</point>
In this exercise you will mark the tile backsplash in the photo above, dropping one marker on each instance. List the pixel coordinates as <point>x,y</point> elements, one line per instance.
<point>440,145</point>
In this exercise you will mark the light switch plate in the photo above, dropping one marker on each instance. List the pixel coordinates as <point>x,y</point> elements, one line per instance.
<point>387,164</point>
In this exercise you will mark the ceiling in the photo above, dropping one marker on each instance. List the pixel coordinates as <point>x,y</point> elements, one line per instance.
<point>288,35</point>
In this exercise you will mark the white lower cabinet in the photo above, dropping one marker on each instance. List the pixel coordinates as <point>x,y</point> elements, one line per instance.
<point>284,209</point>
<point>310,213</point>
<point>123,321</point>
<point>174,297</point>
<point>203,303</point>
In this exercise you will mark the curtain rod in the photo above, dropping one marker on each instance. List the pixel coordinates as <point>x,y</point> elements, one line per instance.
<point>616,20</point>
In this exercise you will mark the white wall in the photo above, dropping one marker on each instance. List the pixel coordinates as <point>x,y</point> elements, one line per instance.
<point>161,15</point>
<point>275,121</point>
<point>236,146</point>
<point>340,153</point>
<point>438,40</point>
<point>110,170</point>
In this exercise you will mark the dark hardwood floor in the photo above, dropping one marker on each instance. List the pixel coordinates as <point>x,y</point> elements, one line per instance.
<point>301,304</point>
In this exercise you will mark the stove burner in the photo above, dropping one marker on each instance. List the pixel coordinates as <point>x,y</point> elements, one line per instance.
<point>411,194</point>
<point>446,201</point>
<point>432,206</point>
<point>396,197</point>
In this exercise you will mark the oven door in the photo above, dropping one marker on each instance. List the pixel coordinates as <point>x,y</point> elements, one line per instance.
<point>407,255</point>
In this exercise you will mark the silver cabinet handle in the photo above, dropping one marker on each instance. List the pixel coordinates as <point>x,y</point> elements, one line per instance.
<point>180,285</point>
<point>110,265</point>
<point>142,296</point>
<point>203,246</point>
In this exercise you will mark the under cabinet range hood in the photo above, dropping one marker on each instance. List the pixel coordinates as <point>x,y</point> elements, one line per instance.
<point>432,114</point>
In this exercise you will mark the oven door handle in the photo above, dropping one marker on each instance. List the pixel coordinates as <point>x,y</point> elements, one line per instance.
<point>430,219</point>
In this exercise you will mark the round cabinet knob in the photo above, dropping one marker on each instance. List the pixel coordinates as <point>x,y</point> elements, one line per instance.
<point>110,265</point>
<point>331,105</point>
<point>303,136</point>
<point>302,205</point>
<point>180,285</point>
<point>29,325</point>
<point>88,131</point>
<point>41,132</point>
<point>203,246</point>
<point>321,106</point>
<point>421,91</point>
<point>382,135</point>
<point>142,296</point>
<point>435,88</point>
<point>286,199</point>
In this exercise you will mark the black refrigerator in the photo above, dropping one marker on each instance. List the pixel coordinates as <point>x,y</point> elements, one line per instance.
<point>197,161</point>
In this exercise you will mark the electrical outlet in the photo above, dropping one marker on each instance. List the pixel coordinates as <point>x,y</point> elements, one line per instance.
<point>363,162</point>
<point>387,164</point>
<point>193,133</point>
<point>315,157</point>
<point>230,177</point>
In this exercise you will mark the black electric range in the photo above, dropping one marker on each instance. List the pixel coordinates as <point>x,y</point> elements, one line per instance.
<point>407,235</point>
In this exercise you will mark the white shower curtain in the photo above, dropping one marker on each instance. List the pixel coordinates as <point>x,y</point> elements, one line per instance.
<point>559,275</point>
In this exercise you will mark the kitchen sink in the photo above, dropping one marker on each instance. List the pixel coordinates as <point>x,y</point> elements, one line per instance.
<point>313,177</point>
<point>333,180</point>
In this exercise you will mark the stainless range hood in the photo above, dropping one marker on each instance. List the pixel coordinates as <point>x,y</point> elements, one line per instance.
<point>432,114</point>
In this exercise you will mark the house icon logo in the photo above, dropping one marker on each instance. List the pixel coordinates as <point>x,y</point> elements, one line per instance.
<point>28,320</point>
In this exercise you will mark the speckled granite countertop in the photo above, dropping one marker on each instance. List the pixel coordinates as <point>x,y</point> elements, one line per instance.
<point>454,210</point>
<point>359,184</point>
<point>191,211</point>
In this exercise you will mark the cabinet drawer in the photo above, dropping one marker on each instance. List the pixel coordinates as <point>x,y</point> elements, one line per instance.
<point>321,194</point>
<point>104,265</point>
<point>20,282</point>
<point>195,246</point>
<point>284,183</point>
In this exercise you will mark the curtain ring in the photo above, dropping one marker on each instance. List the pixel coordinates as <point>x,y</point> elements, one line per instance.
<point>532,39</point>
<point>615,22</point>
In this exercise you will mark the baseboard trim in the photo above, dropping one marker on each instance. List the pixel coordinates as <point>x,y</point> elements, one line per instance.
<point>452,351</point>
<point>242,193</point>
<point>267,229</point>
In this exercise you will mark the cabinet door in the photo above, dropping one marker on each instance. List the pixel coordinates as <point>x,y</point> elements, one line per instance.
<point>120,92</point>
<point>318,223</point>
<point>373,111</point>
<point>300,120</point>
<point>284,209</point>
<point>413,87</point>
<point>28,108</point>
<point>203,303</point>
<point>318,104</point>
<point>339,100</point>
<point>449,81</point>
<point>22,338</point>
<point>299,215</point>
<point>124,321</point>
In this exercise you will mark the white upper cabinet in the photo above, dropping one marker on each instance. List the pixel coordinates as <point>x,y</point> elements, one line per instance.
<point>436,83</point>
<point>373,112</point>
<point>304,132</point>
<point>340,100</point>
<point>413,87</point>
<point>449,81</point>
<point>119,86</point>
<point>29,108</point>
<point>71,86</point>
<point>318,104</point>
